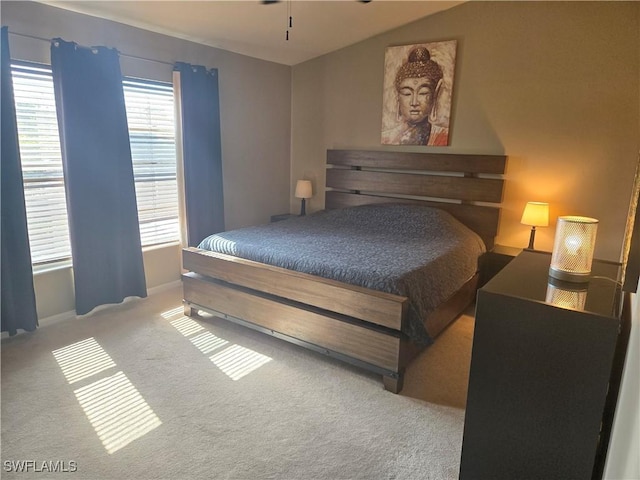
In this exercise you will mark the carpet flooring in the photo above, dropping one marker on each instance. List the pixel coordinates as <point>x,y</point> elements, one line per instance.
<point>138,391</point>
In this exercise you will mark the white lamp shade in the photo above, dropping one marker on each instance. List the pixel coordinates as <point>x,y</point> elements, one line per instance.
<point>573,248</point>
<point>536,214</point>
<point>303,189</point>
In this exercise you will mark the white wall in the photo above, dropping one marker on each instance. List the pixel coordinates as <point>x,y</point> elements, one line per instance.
<point>255,109</point>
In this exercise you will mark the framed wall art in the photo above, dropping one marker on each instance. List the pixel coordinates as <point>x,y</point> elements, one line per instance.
<point>418,85</point>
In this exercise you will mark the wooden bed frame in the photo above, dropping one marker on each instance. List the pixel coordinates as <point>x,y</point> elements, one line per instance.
<point>354,324</point>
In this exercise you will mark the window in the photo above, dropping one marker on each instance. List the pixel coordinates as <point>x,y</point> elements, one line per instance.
<point>150,116</point>
<point>41,163</point>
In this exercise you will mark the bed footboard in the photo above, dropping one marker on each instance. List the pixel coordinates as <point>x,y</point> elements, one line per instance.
<point>354,324</point>
<point>380,308</point>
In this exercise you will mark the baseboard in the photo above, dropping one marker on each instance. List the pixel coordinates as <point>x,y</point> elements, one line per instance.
<point>42,322</point>
<point>53,319</point>
<point>164,287</point>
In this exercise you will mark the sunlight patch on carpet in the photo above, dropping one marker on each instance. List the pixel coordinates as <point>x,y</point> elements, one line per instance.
<point>117,411</point>
<point>173,312</point>
<point>207,342</point>
<point>82,360</point>
<point>186,326</point>
<point>237,361</point>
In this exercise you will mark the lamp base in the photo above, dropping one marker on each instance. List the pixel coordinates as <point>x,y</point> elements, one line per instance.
<point>532,238</point>
<point>303,209</point>
<point>572,277</point>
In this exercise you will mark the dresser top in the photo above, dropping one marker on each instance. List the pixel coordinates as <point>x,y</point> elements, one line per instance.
<point>527,276</point>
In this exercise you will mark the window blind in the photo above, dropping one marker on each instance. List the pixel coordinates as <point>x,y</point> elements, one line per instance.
<point>41,163</point>
<point>150,116</point>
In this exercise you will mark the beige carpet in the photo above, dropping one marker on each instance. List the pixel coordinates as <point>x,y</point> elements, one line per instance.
<point>140,392</point>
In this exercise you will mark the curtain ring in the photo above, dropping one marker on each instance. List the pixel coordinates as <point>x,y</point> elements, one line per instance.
<point>56,44</point>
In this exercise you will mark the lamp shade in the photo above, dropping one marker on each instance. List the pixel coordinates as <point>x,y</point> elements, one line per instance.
<point>536,214</point>
<point>573,248</point>
<point>303,189</point>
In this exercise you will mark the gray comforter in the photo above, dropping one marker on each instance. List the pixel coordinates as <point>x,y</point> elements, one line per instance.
<point>419,252</point>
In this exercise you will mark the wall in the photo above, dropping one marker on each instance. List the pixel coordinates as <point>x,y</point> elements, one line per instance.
<point>553,85</point>
<point>255,109</point>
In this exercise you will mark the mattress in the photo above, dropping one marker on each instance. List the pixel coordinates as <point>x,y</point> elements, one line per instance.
<point>419,252</point>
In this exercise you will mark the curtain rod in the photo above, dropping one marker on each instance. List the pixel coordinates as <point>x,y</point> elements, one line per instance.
<point>48,40</point>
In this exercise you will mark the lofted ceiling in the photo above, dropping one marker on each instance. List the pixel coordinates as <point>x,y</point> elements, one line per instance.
<point>256,29</point>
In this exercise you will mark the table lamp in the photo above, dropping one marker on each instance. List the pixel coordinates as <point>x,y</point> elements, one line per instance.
<point>573,248</point>
<point>536,214</point>
<point>303,191</point>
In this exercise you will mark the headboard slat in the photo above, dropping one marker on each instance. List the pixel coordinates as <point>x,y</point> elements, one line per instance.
<point>461,188</point>
<point>411,174</point>
<point>437,162</point>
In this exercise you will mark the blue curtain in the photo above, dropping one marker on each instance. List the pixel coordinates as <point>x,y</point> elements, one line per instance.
<point>96,157</point>
<point>18,296</point>
<point>202,151</point>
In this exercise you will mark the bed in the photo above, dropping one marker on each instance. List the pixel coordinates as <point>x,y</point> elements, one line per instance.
<point>306,281</point>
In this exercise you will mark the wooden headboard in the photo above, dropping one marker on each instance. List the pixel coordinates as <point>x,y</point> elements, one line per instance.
<point>467,186</point>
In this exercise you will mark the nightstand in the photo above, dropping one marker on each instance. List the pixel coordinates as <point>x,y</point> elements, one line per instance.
<point>544,377</point>
<point>495,260</point>
<point>282,216</point>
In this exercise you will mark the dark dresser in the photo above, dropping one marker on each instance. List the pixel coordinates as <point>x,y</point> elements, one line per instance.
<point>544,355</point>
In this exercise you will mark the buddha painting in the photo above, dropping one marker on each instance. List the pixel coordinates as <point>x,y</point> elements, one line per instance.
<point>417,94</point>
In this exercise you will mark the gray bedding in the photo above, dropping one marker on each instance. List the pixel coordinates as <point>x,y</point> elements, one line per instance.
<point>419,252</point>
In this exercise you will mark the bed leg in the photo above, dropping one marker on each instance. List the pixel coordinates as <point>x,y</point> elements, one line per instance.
<point>189,311</point>
<point>393,385</point>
